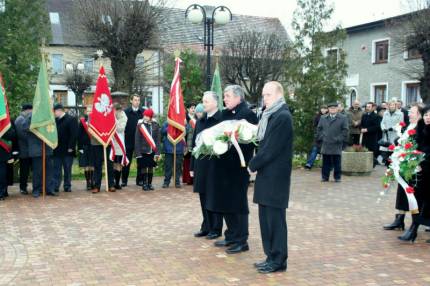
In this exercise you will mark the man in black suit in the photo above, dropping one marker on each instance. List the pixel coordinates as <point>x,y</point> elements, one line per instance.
<point>202,169</point>
<point>67,128</point>
<point>228,187</point>
<point>24,158</point>
<point>273,163</point>
<point>5,156</point>
<point>370,127</point>
<point>134,114</point>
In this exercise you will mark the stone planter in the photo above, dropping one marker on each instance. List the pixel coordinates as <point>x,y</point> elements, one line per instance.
<point>357,163</point>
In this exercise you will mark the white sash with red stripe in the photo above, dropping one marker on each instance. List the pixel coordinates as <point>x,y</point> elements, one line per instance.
<point>119,140</point>
<point>148,137</point>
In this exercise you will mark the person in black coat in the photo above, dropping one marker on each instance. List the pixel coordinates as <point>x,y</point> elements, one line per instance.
<point>422,188</point>
<point>86,157</point>
<point>35,147</point>
<point>67,129</point>
<point>229,185</point>
<point>5,156</point>
<point>370,127</point>
<point>134,114</point>
<point>24,158</point>
<point>273,164</point>
<point>201,169</point>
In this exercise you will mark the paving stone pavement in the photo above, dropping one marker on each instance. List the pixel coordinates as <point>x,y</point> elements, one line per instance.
<point>146,238</point>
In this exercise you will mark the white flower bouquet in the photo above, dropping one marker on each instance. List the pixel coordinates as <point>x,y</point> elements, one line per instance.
<point>216,140</point>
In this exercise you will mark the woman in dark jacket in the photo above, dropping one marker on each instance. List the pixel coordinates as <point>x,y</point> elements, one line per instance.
<point>422,189</point>
<point>402,204</point>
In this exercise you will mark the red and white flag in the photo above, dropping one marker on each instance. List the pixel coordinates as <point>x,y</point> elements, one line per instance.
<point>102,124</point>
<point>176,115</point>
<point>148,137</point>
<point>118,139</point>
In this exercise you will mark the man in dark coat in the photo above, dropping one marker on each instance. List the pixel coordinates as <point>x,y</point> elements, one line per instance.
<point>333,134</point>
<point>5,156</point>
<point>24,158</point>
<point>67,129</point>
<point>202,169</point>
<point>35,152</point>
<point>273,163</point>
<point>370,126</point>
<point>229,185</point>
<point>134,114</point>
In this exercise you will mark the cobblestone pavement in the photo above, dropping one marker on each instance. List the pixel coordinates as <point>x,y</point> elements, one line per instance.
<point>145,238</point>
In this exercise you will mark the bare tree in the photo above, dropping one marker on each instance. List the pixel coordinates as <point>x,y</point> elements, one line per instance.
<point>122,29</point>
<point>252,58</point>
<point>411,36</point>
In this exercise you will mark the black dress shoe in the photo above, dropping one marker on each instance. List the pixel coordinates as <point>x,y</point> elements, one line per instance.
<point>261,264</point>
<point>68,190</point>
<point>237,248</point>
<point>2,198</point>
<point>223,243</point>
<point>338,181</point>
<point>213,235</point>
<point>123,185</point>
<point>324,180</point>
<point>23,192</point>
<point>165,186</point>
<point>56,190</point>
<point>201,234</point>
<point>52,194</point>
<point>270,268</point>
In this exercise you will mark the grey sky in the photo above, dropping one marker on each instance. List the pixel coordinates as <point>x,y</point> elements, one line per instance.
<point>347,12</point>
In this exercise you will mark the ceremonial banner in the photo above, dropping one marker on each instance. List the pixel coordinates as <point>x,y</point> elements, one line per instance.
<point>4,110</point>
<point>216,87</point>
<point>176,114</point>
<point>42,118</point>
<point>102,123</point>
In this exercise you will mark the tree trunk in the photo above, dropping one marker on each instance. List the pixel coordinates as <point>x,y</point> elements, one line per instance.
<point>123,71</point>
<point>425,80</point>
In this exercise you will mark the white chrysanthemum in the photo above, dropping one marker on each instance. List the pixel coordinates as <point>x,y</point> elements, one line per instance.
<point>246,134</point>
<point>220,147</point>
<point>208,138</point>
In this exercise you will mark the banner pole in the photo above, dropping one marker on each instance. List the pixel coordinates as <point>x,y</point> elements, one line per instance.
<point>174,163</point>
<point>106,169</point>
<point>43,170</point>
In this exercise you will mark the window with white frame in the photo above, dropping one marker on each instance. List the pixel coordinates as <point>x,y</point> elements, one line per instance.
<point>412,93</point>
<point>352,96</point>
<point>54,17</point>
<point>380,53</point>
<point>332,55</point>
<point>379,93</point>
<point>57,63</point>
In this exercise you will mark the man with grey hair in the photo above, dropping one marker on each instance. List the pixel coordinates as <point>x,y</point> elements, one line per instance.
<point>228,187</point>
<point>202,169</point>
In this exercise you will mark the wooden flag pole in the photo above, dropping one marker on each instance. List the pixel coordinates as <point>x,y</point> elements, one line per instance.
<point>174,163</point>
<point>43,170</point>
<point>106,169</point>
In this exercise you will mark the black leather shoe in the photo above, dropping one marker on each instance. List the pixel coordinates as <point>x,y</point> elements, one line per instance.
<point>2,198</point>
<point>52,194</point>
<point>428,229</point>
<point>23,192</point>
<point>270,268</point>
<point>201,234</point>
<point>68,191</point>
<point>123,185</point>
<point>213,235</point>
<point>237,248</point>
<point>324,180</point>
<point>223,243</point>
<point>165,186</point>
<point>178,186</point>
<point>338,181</point>
<point>261,264</point>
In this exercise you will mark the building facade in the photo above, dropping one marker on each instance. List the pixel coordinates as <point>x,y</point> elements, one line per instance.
<point>379,69</point>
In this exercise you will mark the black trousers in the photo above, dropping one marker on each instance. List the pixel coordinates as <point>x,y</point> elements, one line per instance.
<point>24,172</point>
<point>355,139</point>
<point>212,222</point>
<point>3,179</point>
<point>237,228</point>
<point>168,168</point>
<point>125,172</point>
<point>37,164</point>
<point>274,234</point>
<point>98,166</point>
<point>331,162</point>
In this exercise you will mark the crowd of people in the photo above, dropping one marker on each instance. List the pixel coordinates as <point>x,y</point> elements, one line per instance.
<point>222,182</point>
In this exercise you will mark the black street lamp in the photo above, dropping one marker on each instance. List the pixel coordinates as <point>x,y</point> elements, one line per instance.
<point>220,15</point>
<point>77,80</point>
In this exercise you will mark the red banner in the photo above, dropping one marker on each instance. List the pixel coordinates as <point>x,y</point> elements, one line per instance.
<point>102,123</point>
<point>176,115</point>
